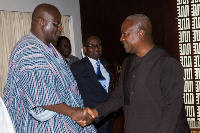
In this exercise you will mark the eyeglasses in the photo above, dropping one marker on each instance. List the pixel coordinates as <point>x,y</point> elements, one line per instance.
<point>56,24</point>
<point>93,46</point>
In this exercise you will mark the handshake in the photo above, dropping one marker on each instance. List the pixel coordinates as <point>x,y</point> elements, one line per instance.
<point>84,116</point>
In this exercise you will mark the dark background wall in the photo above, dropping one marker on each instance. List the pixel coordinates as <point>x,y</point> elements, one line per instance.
<point>104,18</point>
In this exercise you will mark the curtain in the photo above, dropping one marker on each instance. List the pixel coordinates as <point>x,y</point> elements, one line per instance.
<point>14,25</point>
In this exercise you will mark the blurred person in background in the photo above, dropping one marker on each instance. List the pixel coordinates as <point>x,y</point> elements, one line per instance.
<point>64,47</point>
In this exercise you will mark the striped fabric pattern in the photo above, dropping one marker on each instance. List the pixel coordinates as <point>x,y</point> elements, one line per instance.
<point>36,78</point>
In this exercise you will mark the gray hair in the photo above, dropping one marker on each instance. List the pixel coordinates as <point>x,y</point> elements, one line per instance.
<point>142,22</point>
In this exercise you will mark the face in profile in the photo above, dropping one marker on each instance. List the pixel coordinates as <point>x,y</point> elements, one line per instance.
<point>52,26</point>
<point>93,48</point>
<point>129,37</point>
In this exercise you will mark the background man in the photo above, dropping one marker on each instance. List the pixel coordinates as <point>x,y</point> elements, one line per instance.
<point>151,84</point>
<point>64,47</point>
<point>41,93</point>
<point>94,91</point>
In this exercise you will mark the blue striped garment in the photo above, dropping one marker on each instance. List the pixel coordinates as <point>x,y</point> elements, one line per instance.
<point>37,78</point>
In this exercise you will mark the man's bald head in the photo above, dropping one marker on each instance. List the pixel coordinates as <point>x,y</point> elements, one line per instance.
<point>46,23</point>
<point>43,8</point>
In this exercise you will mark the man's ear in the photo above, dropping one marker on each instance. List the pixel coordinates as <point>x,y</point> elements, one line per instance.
<point>84,50</point>
<point>141,34</point>
<point>41,22</point>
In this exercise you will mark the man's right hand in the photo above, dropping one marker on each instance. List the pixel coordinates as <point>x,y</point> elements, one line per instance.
<point>92,112</point>
<point>81,116</point>
<point>77,114</point>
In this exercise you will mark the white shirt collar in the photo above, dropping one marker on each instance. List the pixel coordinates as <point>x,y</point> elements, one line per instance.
<point>93,61</point>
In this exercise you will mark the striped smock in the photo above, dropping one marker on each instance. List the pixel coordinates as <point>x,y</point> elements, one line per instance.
<point>38,76</point>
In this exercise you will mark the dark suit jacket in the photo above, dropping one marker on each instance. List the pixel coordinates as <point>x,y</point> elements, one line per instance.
<point>91,90</point>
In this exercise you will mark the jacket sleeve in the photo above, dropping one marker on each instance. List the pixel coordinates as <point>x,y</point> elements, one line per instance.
<point>172,86</point>
<point>115,100</point>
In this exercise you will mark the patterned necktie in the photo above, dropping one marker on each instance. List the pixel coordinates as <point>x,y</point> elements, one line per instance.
<point>100,77</point>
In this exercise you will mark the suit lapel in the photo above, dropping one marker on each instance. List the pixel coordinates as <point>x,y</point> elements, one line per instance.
<point>92,73</point>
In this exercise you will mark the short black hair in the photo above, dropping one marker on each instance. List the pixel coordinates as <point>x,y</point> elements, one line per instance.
<point>60,39</point>
<point>86,40</point>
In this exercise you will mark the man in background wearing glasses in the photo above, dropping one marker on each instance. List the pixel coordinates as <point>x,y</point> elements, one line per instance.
<point>94,79</point>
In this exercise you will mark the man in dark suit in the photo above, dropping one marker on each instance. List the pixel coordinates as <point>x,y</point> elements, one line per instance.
<point>94,83</point>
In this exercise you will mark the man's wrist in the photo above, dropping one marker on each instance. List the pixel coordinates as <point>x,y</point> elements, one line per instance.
<point>95,113</point>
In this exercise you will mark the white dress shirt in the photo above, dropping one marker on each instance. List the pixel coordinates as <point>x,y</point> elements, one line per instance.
<point>103,71</point>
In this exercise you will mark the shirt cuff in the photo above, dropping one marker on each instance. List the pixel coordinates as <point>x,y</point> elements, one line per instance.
<point>46,115</point>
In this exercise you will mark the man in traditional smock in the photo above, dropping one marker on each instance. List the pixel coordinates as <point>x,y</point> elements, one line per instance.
<point>41,94</point>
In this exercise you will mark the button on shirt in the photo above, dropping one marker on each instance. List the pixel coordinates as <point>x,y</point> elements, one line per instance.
<point>103,71</point>
<point>135,63</point>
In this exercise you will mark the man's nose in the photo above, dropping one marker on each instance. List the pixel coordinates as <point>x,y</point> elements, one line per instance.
<point>121,38</point>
